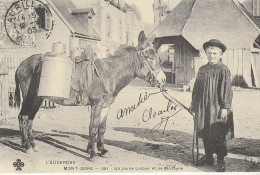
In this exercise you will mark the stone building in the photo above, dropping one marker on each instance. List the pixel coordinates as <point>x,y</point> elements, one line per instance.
<point>109,21</point>
<point>134,25</point>
<point>162,8</point>
<point>117,22</point>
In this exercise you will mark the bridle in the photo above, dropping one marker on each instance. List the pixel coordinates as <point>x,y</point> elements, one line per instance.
<point>141,53</point>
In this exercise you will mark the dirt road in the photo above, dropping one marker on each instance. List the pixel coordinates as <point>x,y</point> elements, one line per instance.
<point>62,133</point>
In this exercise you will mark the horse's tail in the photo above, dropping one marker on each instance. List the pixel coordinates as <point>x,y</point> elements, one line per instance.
<point>17,97</point>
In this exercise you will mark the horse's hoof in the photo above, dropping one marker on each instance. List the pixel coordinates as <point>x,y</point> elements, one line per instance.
<point>104,153</point>
<point>36,149</point>
<point>93,159</point>
<point>91,152</point>
<point>93,156</point>
<point>29,151</point>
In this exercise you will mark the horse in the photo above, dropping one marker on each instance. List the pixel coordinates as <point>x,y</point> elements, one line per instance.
<point>114,73</point>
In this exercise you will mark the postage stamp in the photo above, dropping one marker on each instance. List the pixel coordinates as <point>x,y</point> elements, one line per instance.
<point>127,86</point>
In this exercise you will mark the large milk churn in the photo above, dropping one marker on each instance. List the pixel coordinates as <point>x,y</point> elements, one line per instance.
<point>56,73</point>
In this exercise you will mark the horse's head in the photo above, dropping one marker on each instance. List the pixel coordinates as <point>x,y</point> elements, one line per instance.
<point>151,71</point>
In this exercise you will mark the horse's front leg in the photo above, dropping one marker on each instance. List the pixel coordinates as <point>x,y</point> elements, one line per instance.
<point>93,128</point>
<point>102,130</point>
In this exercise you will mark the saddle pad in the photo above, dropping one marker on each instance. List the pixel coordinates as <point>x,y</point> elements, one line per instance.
<point>76,76</point>
<point>82,75</point>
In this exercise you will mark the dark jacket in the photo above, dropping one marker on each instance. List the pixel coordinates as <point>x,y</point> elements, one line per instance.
<point>212,92</point>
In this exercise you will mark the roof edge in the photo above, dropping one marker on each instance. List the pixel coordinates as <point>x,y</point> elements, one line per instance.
<point>188,17</point>
<point>55,9</point>
<point>247,17</point>
<point>86,36</point>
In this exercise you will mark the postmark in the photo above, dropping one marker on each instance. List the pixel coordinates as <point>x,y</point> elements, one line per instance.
<point>25,18</point>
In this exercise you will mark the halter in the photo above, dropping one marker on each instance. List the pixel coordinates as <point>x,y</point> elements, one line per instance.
<point>140,53</point>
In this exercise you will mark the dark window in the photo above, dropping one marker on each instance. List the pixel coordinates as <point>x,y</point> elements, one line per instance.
<point>43,18</point>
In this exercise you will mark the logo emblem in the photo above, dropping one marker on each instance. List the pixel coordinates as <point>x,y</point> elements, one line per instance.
<point>18,164</point>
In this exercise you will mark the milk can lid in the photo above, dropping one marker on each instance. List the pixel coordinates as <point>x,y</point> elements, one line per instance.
<point>58,48</point>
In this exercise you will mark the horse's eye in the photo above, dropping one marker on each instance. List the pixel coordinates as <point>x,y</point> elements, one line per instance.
<point>151,51</point>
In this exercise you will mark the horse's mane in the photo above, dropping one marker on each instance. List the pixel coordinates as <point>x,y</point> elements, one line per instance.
<point>123,52</point>
<point>128,52</point>
<point>124,55</point>
<point>123,49</point>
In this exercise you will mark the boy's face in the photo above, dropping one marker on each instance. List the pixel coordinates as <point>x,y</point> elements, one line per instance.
<point>213,54</point>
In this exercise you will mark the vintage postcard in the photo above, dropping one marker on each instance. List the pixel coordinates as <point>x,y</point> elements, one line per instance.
<point>129,86</point>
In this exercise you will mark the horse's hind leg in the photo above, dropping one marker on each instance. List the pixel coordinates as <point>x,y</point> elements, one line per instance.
<point>93,128</point>
<point>30,106</point>
<point>23,124</point>
<point>102,130</point>
<point>25,118</point>
<point>37,103</point>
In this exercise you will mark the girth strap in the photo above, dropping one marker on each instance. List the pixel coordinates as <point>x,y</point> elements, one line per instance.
<point>87,71</point>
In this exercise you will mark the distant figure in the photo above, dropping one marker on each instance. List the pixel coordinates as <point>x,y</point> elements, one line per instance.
<point>211,103</point>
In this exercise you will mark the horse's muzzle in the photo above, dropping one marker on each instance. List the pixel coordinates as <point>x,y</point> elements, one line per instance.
<point>157,80</point>
<point>160,77</point>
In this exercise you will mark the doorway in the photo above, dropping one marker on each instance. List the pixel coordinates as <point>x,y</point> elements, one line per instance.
<point>168,62</point>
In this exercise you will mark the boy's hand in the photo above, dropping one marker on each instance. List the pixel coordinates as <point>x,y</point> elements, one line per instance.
<point>191,109</point>
<point>223,113</point>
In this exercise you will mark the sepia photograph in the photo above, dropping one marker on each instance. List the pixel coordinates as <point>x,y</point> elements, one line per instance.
<point>130,86</point>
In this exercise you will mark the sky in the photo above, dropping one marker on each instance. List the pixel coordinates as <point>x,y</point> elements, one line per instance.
<point>145,8</point>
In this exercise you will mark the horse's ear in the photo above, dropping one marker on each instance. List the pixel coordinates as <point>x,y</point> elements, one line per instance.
<point>141,39</point>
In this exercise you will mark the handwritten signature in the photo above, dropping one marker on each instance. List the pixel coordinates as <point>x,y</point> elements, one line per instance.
<point>126,111</point>
<point>164,119</point>
<point>150,114</point>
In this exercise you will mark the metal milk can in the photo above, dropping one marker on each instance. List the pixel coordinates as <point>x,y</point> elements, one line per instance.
<point>56,73</point>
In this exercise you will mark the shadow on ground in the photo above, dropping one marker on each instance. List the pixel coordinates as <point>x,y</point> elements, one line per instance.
<point>12,145</point>
<point>5,132</point>
<point>174,145</point>
<point>249,147</point>
<point>62,145</point>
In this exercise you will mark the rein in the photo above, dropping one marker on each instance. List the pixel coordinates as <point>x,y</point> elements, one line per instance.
<point>195,141</point>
